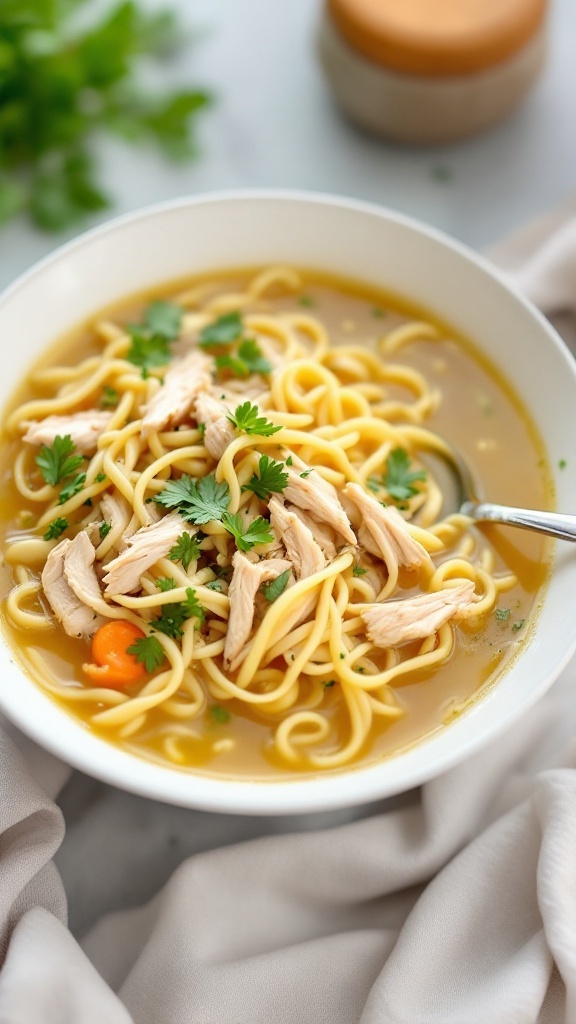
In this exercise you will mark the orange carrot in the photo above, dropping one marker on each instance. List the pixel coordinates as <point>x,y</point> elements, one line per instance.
<point>114,667</point>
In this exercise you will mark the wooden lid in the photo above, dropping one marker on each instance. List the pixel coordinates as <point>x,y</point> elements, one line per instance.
<point>438,37</point>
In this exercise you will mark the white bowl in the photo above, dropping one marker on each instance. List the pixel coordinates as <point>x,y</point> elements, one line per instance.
<point>354,240</point>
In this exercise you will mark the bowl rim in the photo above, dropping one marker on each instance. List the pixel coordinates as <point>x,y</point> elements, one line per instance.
<point>324,791</point>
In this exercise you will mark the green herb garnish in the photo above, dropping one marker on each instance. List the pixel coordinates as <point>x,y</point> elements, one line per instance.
<point>57,527</point>
<point>164,319</point>
<point>175,615</point>
<point>109,398</point>
<point>148,350</point>
<point>72,488</point>
<point>165,583</point>
<point>274,588</point>
<point>57,461</point>
<point>398,479</point>
<point>248,359</point>
<point>185,550</point>
<point>502,614</point>
<point>259,531</point>
<point>198,501</point>
<point>223,331</point>
<point>246,418</point>
<point>271,479</point>
<point>518,625</point>
<point>148,651</point>
<point>104,530</point>
<point>359,571</point>
<point>219,714</point>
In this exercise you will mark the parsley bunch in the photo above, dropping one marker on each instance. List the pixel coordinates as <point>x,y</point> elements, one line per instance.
<point>61,86</point>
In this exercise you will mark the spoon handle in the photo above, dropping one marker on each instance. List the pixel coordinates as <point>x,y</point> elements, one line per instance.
<point>555,524</point>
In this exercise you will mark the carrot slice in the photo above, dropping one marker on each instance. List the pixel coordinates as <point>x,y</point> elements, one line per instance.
<point>114,667</point>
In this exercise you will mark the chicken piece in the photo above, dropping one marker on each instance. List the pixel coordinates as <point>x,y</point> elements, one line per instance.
<point>385,534</point>
<point>314,494</point>
<point>116,512</point>
<point>171,404</point>
<point>84,429</point>
<point>301,548</point>
<point>71,586</point>
<point>219,431</point>
<point>323,534</point>
<point>396,622</point>
<point>143,549</point>
<point>246,580</point>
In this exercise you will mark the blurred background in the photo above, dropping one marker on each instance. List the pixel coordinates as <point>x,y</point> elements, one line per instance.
<point>272,121</point>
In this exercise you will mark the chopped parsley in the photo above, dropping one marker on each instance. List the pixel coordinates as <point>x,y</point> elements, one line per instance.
<point>104,530</point>
<point>378,313</point>
<point>248,359</point>
<point>58,461</point>
<point>219,714</point>
<point>185,550</point>
<point>100,478</point>
<point>271,478</point>
<point>164,319</point>
<point>562,463</point>
<point>502,614</point>
<point>72,488</point>
<point>359,571</point>
<point>57,527</point>
<point>289,460</point>
<point>165,583</point>
<point>246,418</point>
<point>306,300</point>
<point>109,398</point>
<point>175,615</point>
<point>198,501</point>
<point>259,531</point>
<point>305,473</point>
<point>148,651</point>
<point>518,625</point>
<point>148,350</point>
<point>398,479</point>
<point>274,588</point>
<point>329,683</point>
<point>214,585</point>
<point>223,331</point>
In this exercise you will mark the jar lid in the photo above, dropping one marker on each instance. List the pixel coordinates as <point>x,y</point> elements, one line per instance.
<point>437,37</point>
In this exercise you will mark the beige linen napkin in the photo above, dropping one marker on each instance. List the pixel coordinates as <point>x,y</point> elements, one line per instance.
<point>456,905</point>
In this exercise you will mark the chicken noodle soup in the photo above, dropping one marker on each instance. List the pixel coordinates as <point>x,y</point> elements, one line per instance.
<point>226,541</point>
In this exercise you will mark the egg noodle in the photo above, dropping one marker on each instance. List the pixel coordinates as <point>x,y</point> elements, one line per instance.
<point>339,414</point>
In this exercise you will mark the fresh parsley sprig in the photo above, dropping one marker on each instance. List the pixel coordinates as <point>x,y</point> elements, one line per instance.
<point>148,651</point>
<point>246,418</point>
<point>56,528</point>
<point>274,588</point>
<point>174,616</point>
<point>197,501</point>
<point>63,85</point>
<point>248,359</point>
<point>225,330</point>
<point>150,340</point>
<point>58,461</point>
<point>398,479</point>
<point>271,478</point>
<point>258,532</point>
<point>185,550</point>
<point>73,487</point>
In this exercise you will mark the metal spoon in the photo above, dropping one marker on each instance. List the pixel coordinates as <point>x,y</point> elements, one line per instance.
<point>555,524</point>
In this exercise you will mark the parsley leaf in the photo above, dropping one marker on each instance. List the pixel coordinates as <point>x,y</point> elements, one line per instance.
<point>165,583</point>
<point>214,585</point>
<point>359,571</point>
<point>164,319</point>
<point>185,550</point>
<point>104,530</point>
<point>248,359</point>
<point>502,614</point>
<point>57,526</point>
<point>219,714</point>
<point>259,531</point>
<point>272,478</point>
<point>72,488</point>
<point>109,398</point>
<point>198,501</point>
<point>57,461</point>
<point>175,615</point>
<point>223,331</point>
<point>399,479</point>
<point>274,588</point>
<point>246,419</point>
<point>147,350</point>
<point>149,652</point>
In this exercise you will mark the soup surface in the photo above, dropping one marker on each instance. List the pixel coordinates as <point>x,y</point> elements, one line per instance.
<point>230,540</point>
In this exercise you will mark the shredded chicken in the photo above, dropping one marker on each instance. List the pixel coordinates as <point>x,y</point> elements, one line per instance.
<point>323,534</point>
<point>314,494</point>
<point>385,534</point>
<point>117,513</point>
<point>71,586</point>
<point>301,548</point>
<point>247,578</point>
<point>396,622</point>
<point>143,549</point>
<point>219,431</point>
<point>173,401</point>
<point>84,429</point>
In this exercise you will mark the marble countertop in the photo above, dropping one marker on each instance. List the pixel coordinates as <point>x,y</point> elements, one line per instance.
<point>274,124</point>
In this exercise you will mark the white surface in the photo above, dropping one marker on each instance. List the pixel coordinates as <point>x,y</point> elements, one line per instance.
<point>274,124</point>
<point>175,238</point>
